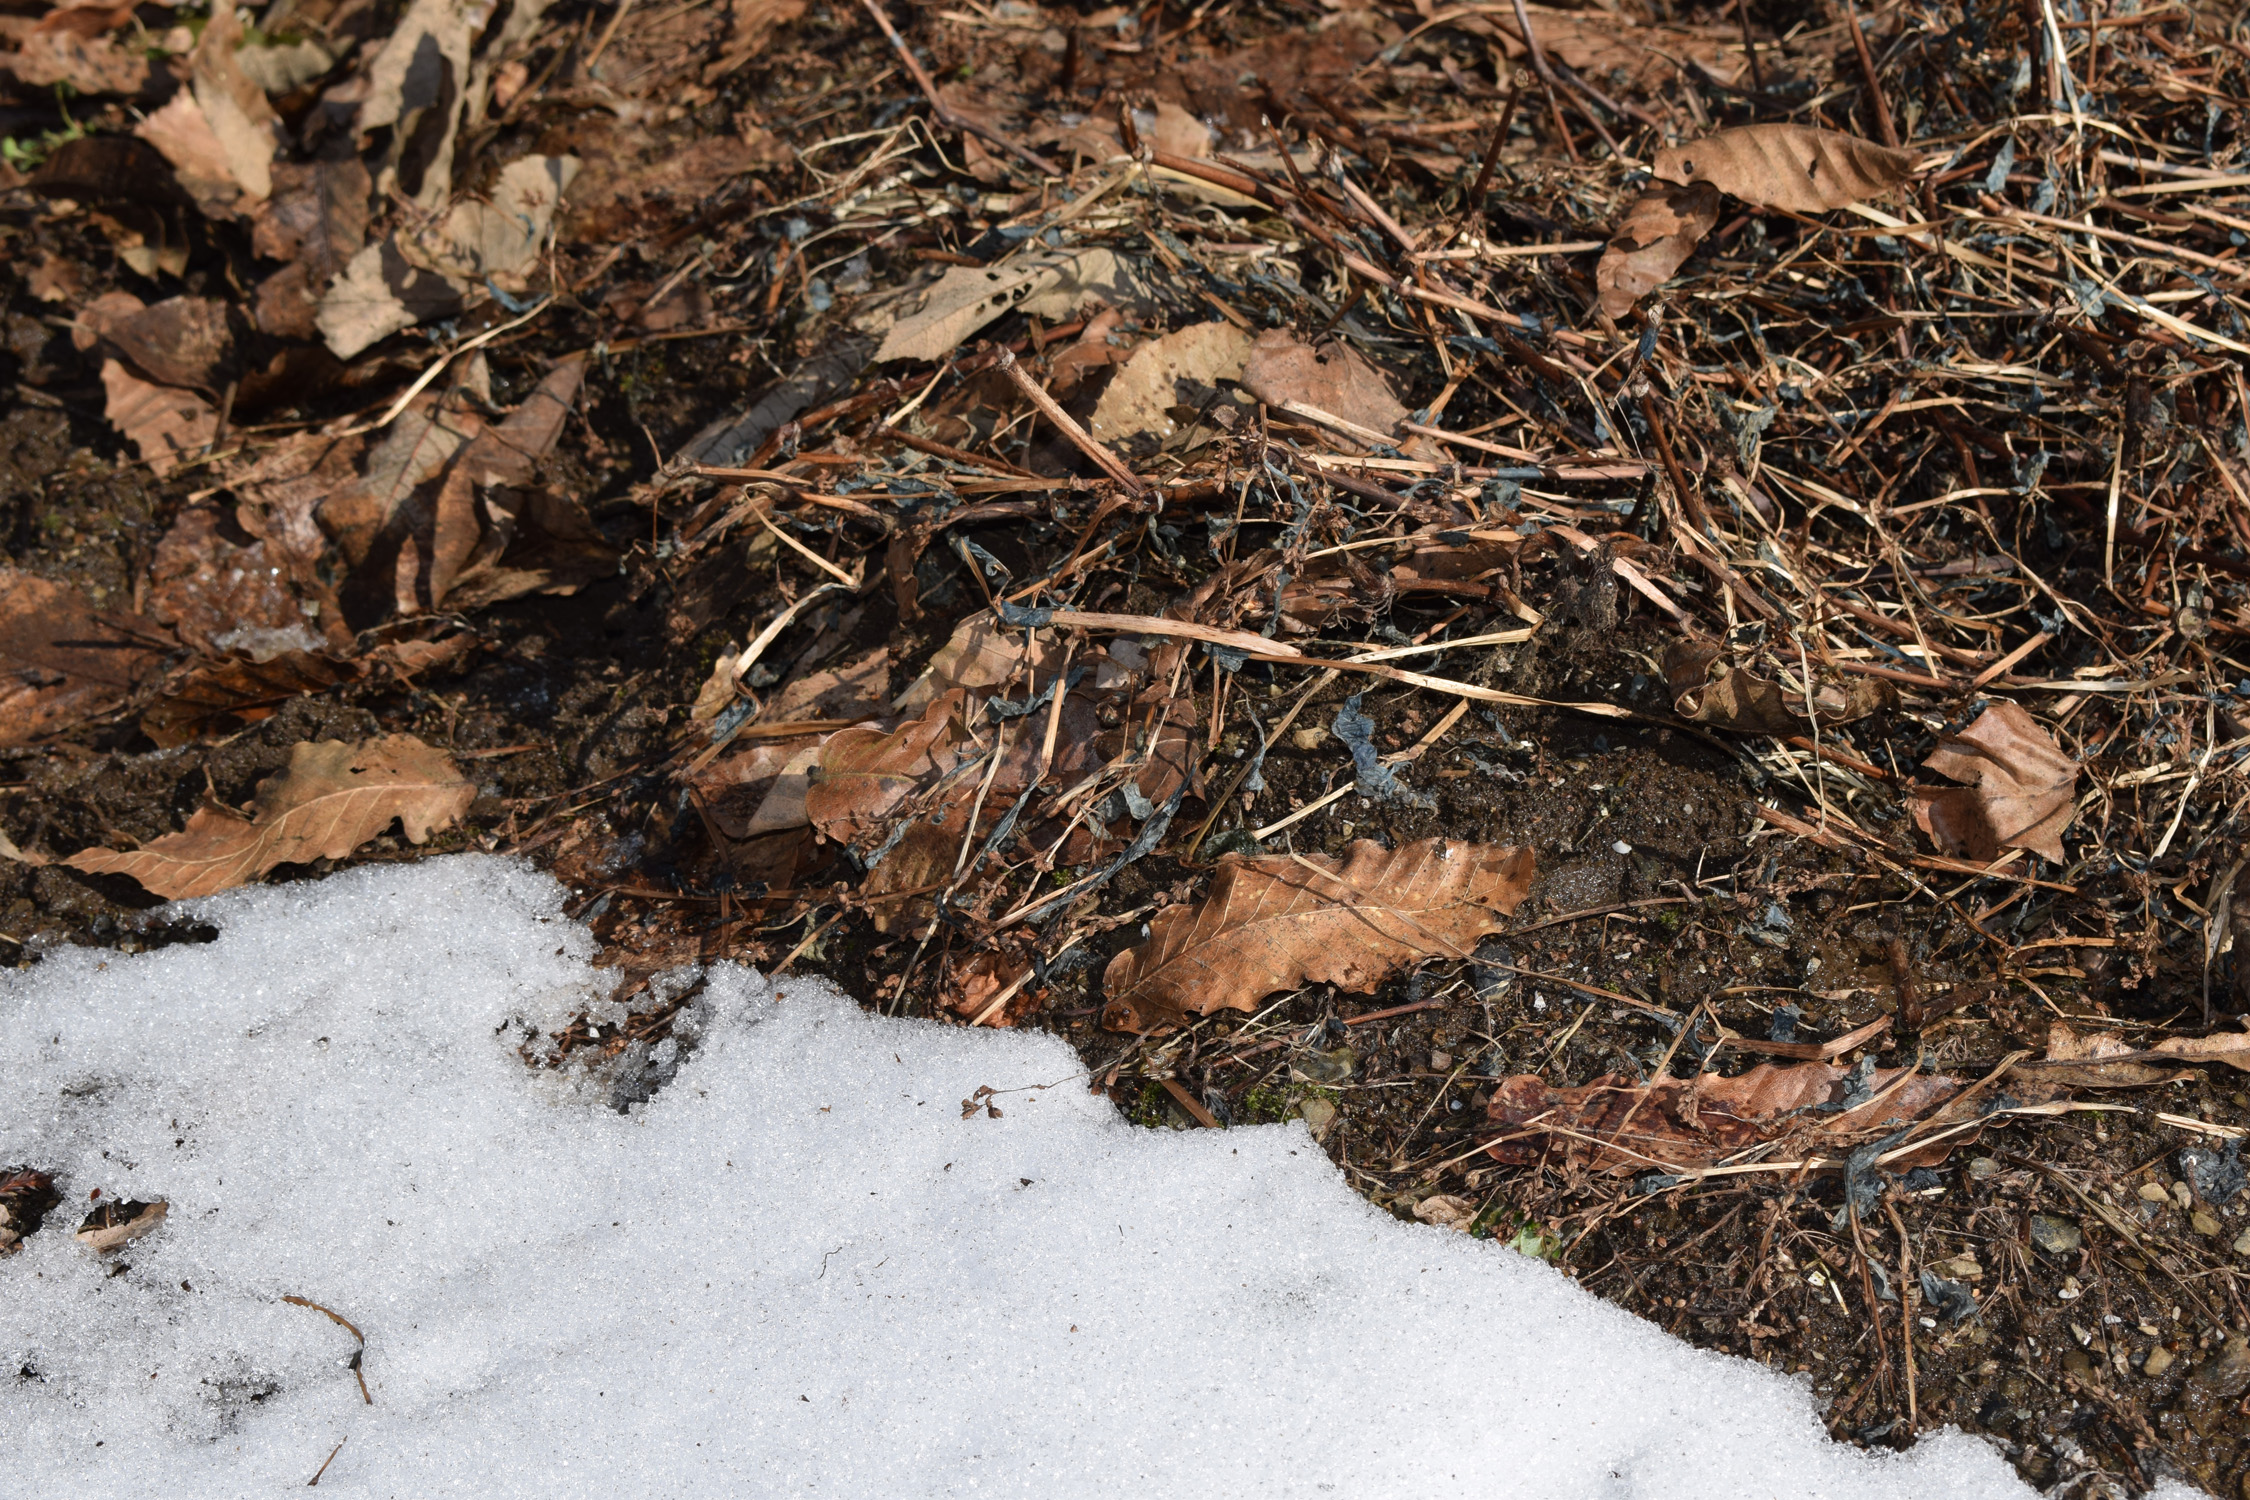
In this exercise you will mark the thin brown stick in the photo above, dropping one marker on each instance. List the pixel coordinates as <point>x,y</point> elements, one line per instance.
<point>945,112</point>
<point>1108,462</point>
<point>1546,78</point>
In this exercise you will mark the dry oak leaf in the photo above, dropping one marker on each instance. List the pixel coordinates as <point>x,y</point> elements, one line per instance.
<point>1276,922</point>
<point>332,798</point>
<point>1179,369</point>
<point>2018,793</point>
<point>866,771</point>
<point>1797,167</point>
<point>1660,231</point>
<point>222,695</point>
<point>62,662</point>
<point>1618,1124</point>
<point>1282,368</point>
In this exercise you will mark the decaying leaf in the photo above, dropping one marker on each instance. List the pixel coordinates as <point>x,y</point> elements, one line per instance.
<point>974,985</point>
<point>115,1225</point>
<point>1618,1124</point>
<point>27,1195</point>
<point>1709,691</point>
<point>220,696</point>
<point>1282,368</point>
<point>864,773</point>
<point>1797,167</point>
<point>416,88</point>
<point>981,653</point>
<point>403,280</point>
<point>1179,369</point>
<point>1660,231</point>
<point>2104,1060</point>
<point>165,424</point>
<point>1275,922</point>
<point>331,798</point>
<point>219,594</point>
<point>965,298</point>
<point>61,661</point>
<point>2018,792</point>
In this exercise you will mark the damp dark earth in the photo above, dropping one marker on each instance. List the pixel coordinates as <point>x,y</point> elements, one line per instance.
<point>1629,612</point>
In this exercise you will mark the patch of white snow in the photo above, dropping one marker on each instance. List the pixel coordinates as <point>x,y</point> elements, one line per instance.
<point>797,1268</point>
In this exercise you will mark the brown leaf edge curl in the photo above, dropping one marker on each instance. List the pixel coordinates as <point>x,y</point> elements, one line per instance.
<point>1796,167</point>
<point>1276,922</point>
<point>1659,232</point>
<point>331,798</point>
<point>2018,793</point>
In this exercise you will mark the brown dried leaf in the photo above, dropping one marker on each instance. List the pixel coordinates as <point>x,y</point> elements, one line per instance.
<point>165,424</point>
<point>970,986</point>
<point>332,798</point>
<point>1659,232</point>
<point>867,771</point>
<point>61,661</point>
<point>1282,368</point>
<point>1275,922</point>
<point>1796,167</point>
<point>2018,794</point>
<point>90,64</point>
<point>1178,369</point>
<point>1617,1124</point>
<point>220,596</point>
<point>981,653</point>
<point>2104,1060</point>
<point>216,697</point>
<point>115,1225</point>
<point>475,523</point>
<point>1749,704</point>
<point>858,688</point>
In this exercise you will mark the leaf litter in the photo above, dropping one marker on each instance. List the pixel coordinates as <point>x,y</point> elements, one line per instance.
<point>924,511</point>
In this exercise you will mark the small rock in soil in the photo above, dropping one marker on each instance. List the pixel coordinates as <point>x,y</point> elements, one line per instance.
<point>2053,1235</point>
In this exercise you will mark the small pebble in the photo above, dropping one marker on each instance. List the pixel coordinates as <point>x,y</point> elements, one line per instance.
<point>1982,1167</point>
<point>2159,1360</point>
<point>2055,1236</point>
<point>2153,1192</point>
<point>2242,1243</point>
<point>2204,1222</point>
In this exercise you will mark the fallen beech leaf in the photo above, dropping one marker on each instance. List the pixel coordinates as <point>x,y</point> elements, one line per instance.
<point>474,525</point>
<point>219,597</point>
<point>2103,1060</point>
<point>1179,369</point>
<point>981,653</point>
<point>115,1225</point>
<point>90,64</point>
<point>972,984</point>
<point>214,697</point>
<point>857,688</point>
<point>1796,167</point>
<point>1659,232</point>
<point>61,661</point>
<point>1749,704</point>
<point>2018,793</point>
<point>1275,922</point>
<point>865,772</point>
<point>417,84</point>
<point>1282,368</point>
<point>165,424</point>
<point>1447,1211</point>
<point>1618,1124</point>
<point>965,298</point>
<point>182,341</point>
<point>332,798</point>
<point>27,1195</point>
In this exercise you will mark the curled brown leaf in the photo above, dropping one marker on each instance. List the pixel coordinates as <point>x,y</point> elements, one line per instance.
<point>331,798</point>
<point>2018,792</point>
<point>1659,232</point>
<point>1796,167</point>
<point>1274,922</point>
